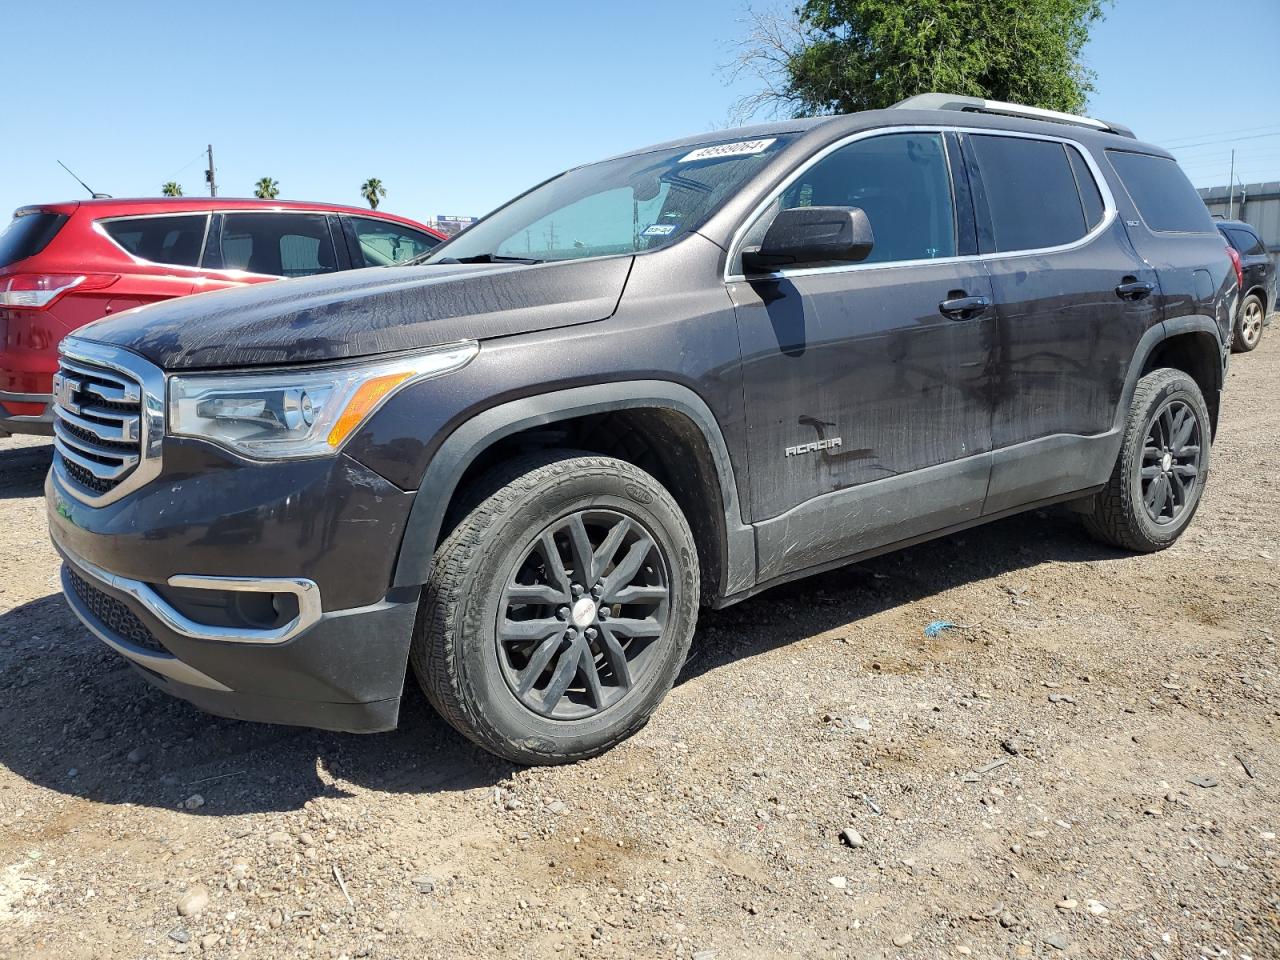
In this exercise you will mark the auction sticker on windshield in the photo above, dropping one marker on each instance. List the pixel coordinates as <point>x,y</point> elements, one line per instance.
<point>743,148</point>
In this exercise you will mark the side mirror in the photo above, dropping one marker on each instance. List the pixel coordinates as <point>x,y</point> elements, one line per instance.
<point>802,235</point>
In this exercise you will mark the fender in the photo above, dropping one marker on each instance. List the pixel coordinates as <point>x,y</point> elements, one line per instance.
<point>468,441</point>
<point>1155,335</point>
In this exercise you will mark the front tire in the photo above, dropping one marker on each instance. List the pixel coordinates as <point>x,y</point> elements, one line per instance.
<point>1159,476</point>
<point>560,608</point>
<point>1249,320</point>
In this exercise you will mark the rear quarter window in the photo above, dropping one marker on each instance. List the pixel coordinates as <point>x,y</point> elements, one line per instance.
<point>1162,193</point>
<point>27,235</point>
<point>173,240</point>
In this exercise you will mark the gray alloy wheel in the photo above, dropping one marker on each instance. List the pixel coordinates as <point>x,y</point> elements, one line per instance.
<point>1249,322</point>
<point>1172,455</point>
<point>582,614</point>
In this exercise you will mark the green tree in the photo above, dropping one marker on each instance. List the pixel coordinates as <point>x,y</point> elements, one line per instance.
<point>266,189</point>
<point>171,189</point>
<point>839,56</point>
<point>373,191</point>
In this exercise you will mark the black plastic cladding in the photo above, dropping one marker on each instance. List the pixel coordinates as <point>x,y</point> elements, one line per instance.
<point>943,424</point>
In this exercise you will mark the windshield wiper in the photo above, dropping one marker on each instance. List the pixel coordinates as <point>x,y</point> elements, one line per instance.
<point>489,258</point>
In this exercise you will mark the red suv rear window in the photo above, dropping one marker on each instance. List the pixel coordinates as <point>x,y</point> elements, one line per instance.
<point>27,235</point>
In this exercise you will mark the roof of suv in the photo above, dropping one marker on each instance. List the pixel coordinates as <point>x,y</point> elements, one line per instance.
<point>833,127</point>
<point>129,206</point>
<point>1237,224</point>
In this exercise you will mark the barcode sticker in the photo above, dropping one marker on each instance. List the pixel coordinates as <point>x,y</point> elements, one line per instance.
<point>743,148</point>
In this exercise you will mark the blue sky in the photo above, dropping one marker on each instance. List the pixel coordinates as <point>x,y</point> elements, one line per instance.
<point>456,107</point>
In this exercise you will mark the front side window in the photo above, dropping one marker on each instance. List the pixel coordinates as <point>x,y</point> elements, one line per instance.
<point>278,244</point>
<point>1033,201</point>
<point>382,243</point>
<point>172,240</point>
<point>626,205</point>
<point>1162,193</point>
<point>902,183</point>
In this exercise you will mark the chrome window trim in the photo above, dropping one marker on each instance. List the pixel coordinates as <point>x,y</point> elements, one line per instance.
<point>1108,201</point>
<point>100,229</point>
<point>151,409</point>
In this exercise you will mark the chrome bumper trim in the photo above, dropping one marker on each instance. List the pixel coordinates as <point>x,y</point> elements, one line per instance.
<point>306,591</point>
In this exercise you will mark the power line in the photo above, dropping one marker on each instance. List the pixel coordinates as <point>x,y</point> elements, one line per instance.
<point>1221,133</point>
<point>1214,143</point>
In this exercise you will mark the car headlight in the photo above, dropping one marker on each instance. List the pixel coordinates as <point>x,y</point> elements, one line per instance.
<point>303,412</point>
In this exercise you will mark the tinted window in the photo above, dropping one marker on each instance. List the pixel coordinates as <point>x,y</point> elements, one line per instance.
<point>901,181</point>
<point>278,244</point>
<point>1090,198</point>
<point>1162,193</point>
<point>382,243</point>
<point>27,235</point>
<point>1031,193</point>
<point>173,240</point>
<point>1245,242</point>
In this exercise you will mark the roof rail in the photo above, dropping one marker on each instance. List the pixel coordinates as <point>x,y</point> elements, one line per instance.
<point>947,101</point>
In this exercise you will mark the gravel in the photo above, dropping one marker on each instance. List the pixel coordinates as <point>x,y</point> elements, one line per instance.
<point>720,829</point>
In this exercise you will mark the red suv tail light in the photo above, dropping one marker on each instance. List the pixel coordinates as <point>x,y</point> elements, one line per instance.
<point>1235,262</point>
<point>36,291</point>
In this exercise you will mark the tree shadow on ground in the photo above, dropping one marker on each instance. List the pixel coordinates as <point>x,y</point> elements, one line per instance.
<point>75,718</point>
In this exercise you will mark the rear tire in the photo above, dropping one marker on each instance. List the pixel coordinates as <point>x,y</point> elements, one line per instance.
<point>1249,321</point>
<point>560,608</point>
<point>1159,476</point>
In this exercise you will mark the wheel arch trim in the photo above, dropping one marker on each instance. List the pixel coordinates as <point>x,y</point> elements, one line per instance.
<point>1159,333</point>
<point>470,439</point>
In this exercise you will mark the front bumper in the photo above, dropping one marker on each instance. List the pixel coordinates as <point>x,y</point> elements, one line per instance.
<point>255,591</point>
<point>26,413</point>
<point>345,671</point>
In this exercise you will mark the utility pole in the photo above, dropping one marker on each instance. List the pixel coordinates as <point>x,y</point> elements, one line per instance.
<point>1231,189</point>
<point>211,178</point>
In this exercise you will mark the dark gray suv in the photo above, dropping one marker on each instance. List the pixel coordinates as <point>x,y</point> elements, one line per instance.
<point>670,379</point>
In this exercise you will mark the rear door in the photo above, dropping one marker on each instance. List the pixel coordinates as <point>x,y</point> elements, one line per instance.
<point>1072,301</point>
<point>1254,262</point>
<point>867,403</point>
<point>257,246</point>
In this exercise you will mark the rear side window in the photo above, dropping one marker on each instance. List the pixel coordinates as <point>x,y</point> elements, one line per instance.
<point>27,235</point>
<point>278,244</point>
<point>382,243</point>
<point>1032,197</point>
<point>1245,242</point>
<point>172,240</point>
<point>1162,193</point>
<point>1090,198</point>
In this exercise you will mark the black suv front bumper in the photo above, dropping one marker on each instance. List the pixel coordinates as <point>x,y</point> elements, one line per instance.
<point>264,598</point>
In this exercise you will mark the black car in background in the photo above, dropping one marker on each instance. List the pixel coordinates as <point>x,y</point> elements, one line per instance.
<point>672,379</point>
<point>1258,285</point>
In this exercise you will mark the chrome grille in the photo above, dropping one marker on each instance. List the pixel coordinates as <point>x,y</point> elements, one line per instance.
<point>97,427</point>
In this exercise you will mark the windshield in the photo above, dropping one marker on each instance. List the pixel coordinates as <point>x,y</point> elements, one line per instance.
<point>618,206</point>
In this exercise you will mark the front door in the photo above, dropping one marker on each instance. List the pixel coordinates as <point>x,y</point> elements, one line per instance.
<point>867,384</point>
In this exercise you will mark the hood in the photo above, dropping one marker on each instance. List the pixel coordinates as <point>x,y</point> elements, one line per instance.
<point>360,313</point>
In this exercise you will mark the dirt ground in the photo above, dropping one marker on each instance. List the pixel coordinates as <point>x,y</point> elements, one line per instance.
<point>1089,767</point>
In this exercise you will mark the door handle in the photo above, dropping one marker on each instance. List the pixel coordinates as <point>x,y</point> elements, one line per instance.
<point>964,308</point>
<point>1132,289</point>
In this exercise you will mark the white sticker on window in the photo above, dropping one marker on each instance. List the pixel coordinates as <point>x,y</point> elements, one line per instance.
<point>658,230</point>
<point>743,148</point>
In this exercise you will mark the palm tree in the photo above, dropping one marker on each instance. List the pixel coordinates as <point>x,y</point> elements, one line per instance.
<point>266,189</point>
<point>372,189</point>
<point>171,189</point>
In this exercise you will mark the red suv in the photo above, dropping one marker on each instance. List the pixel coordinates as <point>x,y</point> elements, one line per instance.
<point>63,265</point>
